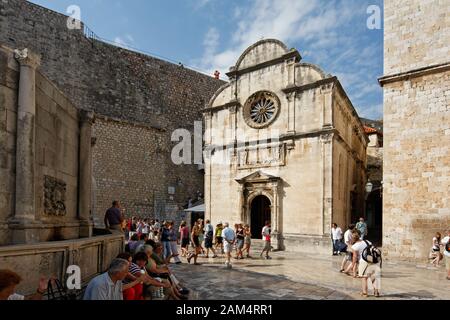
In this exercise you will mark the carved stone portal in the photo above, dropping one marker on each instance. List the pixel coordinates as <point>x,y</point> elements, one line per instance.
<point>54,197</point>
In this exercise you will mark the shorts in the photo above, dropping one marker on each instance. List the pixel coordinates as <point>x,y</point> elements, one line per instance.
<point>196,241</point>
<point>267,246</point>
<point>219,240</point>
<point>227,247</point>
<point>368,270</point>
<point>447,263</point>
<point>208,243</point>
<point>185,242</point>
<point>240,244</point>
<point>248,240</point>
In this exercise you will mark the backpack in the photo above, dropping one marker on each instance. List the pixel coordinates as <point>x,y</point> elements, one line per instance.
<point>371,254</point>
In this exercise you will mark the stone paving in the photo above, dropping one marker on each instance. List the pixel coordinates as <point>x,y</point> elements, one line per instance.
<point>297,276</point>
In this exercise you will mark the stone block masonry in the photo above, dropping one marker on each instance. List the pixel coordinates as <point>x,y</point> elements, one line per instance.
<point>416,126</point>
<point>138,90</point>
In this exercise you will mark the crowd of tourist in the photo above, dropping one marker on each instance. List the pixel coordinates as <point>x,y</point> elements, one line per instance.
<point>354,244</point>
<point>142,271</point>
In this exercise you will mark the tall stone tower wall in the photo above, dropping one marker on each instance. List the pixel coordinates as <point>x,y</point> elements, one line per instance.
<point>417,126</point>
<point>139,101</point>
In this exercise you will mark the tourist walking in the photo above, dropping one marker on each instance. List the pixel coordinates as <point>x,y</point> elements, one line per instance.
<point>361,226</point>
<point>347,262</point>
<point>219,239</point>
<point>173,236</point>
<point>184,234</point>
<point>209,236</point>
<point>446,243</point>
<point>201,235</point>
<point>240,237</point>
<point>436,250</point>
<point>195,242</point>
<point>165,240</point>
<point>336,236</point>
<point>366,271</point>
<point>266,231</point>
<point>114,218</point>
<point>229,237</point>
<point>247,240</point>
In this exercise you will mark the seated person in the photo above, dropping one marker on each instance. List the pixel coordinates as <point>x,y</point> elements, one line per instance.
<point>8,282</point>
<point>162,273</point>
<point>136,270</point>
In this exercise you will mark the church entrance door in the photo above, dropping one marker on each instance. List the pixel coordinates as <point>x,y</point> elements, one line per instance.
<point>260,213</point>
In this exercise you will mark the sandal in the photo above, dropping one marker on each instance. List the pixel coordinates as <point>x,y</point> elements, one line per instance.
<point>376,293</point>
<point>364,294</point>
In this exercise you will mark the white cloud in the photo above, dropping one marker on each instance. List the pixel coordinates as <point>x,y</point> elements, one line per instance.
<point>374,112</point>
<point>126,41</point>
<point>285,20</point>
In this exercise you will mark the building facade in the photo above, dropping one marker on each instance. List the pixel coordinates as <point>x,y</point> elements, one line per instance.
<point>283,143</point>
<point>416,126</point>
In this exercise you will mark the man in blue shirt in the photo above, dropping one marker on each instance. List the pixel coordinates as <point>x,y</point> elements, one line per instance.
<point>361,226</point>
<point>114,217</point>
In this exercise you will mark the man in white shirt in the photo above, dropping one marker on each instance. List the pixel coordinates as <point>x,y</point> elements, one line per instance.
<point>8,282</point>
<point>336,234</point>
<point>229,237</point>
<point>108,286</point>
<point>348,259</point>
<point>444,242</point>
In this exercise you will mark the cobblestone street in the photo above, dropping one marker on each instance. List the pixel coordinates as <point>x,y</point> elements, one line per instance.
<point>292,276</point>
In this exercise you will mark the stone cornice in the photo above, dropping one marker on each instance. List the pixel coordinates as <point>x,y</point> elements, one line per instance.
<point>283,137</point>
<point>309,85</point>
<point>294,54</point>
<point>437,68</point>
<point>233,103</point>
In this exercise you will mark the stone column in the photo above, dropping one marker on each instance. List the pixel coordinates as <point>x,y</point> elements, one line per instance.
<point>85,174</point>
<point>23,223</point>
<point>327,187</point>
<point>242,212</point>
<point>276,234</point>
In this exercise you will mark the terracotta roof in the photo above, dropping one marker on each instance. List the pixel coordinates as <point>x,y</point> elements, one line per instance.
<point>369,130</point>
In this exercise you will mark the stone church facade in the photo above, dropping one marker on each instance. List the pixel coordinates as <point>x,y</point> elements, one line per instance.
<point>416,84</point>
<point>284,143</point>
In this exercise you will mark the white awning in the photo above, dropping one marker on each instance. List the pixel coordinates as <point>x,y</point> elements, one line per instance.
<point>200,208</point>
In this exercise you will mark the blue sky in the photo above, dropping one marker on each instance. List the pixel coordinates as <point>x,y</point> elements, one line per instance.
<point>211,34</point>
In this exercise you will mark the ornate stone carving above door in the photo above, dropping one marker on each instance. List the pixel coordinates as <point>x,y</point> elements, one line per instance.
<point>261,156</point>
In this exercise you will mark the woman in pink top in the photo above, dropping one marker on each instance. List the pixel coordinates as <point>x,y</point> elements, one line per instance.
<point>184,234</point>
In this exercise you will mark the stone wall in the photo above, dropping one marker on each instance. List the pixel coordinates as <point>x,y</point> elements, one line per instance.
<point>417,34</point>
<point>41,151</point>
<point>9,81</point>
<point>416,127</point>
<point>416,164</point>
<point>119,84</point>
<point>92,255</point>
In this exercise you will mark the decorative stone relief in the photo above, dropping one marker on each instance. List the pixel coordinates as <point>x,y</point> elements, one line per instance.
<point>268,156</point>
<point>54,197</point>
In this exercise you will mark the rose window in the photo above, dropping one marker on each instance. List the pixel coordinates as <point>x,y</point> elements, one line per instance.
<point>261,109</point>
